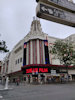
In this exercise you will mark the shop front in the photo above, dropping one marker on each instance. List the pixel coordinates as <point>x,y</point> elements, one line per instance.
<point>35,74</point>
<point>43,74</point>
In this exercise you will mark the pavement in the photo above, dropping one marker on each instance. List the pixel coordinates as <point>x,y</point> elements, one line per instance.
<point>40,92</point>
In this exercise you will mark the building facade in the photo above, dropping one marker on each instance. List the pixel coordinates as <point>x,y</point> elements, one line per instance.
<point>0,67</point>
<point>31,61</point>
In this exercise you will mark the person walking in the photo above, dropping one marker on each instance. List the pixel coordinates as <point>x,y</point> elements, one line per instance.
<point>17,81</point>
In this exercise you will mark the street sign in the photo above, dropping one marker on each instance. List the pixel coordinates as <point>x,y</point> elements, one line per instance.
<point>53,72</point>
<point>52,13</point>
<point>63,4</point>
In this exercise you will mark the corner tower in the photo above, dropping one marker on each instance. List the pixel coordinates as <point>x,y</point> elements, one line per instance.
<point>36,45</point>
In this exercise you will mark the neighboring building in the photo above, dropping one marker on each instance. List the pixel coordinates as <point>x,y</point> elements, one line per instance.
<point>31,60</point>
<point>0,66</point>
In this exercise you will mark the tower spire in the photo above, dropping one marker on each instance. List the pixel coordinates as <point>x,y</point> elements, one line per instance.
<point>36,26</point>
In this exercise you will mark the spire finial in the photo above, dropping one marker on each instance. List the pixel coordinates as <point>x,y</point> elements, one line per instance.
<point>34,18</point>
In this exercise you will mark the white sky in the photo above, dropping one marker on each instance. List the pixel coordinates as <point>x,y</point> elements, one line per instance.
<point>15,21</point>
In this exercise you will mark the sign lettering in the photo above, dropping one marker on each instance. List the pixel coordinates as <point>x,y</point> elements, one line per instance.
<point>36,70</point>
<point>62,4</point>
<point>52,11</point>
<point>55,14</point>
<point>43,70</point>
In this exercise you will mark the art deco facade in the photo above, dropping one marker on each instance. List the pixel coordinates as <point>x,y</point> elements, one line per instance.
<point>0,67</point>
<point>31,59</point>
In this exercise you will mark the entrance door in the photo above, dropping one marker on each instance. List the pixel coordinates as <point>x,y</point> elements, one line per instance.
<point>73,77</point>
<point>35,79</point>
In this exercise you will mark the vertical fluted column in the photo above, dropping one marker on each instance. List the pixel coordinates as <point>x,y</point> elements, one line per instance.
<point>27,56</point>
<point>43,53</point>
<point>38,54</point>
<point>31,53</point>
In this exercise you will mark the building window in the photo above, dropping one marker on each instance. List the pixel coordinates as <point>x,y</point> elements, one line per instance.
<point>20,59</point>
<point>16,62</point>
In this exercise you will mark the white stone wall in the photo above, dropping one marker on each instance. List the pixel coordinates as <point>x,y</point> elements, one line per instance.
<point>53,59</point>
<point>55,62</point>
<point>15,56</point>
<point>38,60</point>
<point>31,54</point>
<point>37,34</point>
<point>13,67</point>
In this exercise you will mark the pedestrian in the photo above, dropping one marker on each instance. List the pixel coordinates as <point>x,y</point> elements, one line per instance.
<point>17,81</point>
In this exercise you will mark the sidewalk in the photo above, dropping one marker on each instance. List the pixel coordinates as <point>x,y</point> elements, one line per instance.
<point>1,86</point>
<point>12,85</point>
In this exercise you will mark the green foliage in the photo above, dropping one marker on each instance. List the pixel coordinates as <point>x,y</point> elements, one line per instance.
<point>64,51</point>
<point>3,47</point>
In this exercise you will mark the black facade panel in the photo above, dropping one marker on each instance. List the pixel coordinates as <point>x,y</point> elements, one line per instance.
<point>46,52</point>
<point>24,54</point>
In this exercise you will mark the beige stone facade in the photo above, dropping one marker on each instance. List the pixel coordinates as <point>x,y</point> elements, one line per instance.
<point>34,43</point>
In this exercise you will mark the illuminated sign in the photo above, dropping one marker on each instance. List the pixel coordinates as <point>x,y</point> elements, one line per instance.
<point>35,70</point>
<point>30,70</point>
<point>39,70</point>
<point>46,43</point>
<point>55,14</point>
<point>43,70</point>
<point>25,45</point>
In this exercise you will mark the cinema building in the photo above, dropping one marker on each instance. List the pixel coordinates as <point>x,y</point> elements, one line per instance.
<point>31,61</point>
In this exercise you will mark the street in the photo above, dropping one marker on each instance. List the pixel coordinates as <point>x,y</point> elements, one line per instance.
<point>40,92</point>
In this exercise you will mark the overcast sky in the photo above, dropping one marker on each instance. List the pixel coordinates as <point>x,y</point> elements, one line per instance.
<point>15,21</point>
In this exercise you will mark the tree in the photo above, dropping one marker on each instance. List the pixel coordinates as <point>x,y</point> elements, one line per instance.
<point>64,51</point>
<point>3,47</point>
